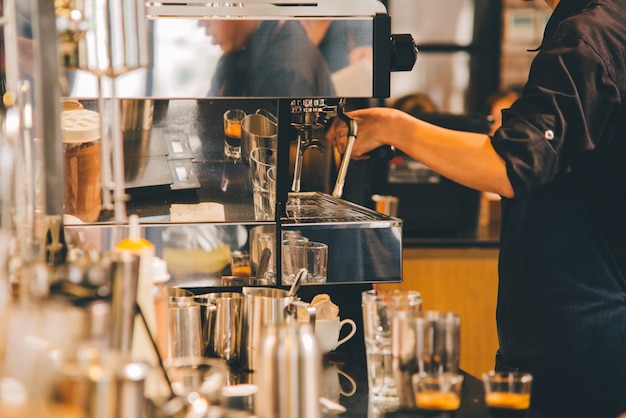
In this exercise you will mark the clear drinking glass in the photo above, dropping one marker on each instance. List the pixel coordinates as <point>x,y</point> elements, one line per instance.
<point>378,310</point>
<point>261,160</point>
<point>317,262</point>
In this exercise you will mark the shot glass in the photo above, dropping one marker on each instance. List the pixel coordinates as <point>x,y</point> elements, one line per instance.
<point>316,262</point>
<point>232,132</point>
<point>507,394</point>
<point>379,308</point>
<point>437,391</point>
<point>240,263</point>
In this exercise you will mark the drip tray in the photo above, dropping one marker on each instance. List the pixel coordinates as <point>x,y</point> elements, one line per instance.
<point>316,207</point>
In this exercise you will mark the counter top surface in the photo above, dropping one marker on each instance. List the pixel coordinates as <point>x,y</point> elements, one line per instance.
<point>358,405</point>
<point>487,236</point>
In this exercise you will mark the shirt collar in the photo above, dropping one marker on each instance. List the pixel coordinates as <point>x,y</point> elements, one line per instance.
<point>563,10</point>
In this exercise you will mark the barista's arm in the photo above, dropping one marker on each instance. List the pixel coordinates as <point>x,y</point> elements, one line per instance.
<point>464,157</point>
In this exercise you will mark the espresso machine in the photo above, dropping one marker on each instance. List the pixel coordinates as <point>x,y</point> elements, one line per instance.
<point>183,167</point>
<point>163,172</point>
<point>160,133</point>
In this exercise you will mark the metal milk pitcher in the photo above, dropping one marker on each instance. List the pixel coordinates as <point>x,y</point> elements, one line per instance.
<point>220,314</point>
<point>262,307</point>
<point>289,372</point>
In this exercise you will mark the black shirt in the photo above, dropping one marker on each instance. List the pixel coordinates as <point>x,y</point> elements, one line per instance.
<point>279,61</point>
<point>561,309</point>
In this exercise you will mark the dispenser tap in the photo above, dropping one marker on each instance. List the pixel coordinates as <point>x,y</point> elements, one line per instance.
<point>345,159</point>
<point>306,116</point>
<point>309,114</point>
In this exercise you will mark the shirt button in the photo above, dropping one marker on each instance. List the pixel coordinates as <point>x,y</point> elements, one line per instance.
<point>549,135</point>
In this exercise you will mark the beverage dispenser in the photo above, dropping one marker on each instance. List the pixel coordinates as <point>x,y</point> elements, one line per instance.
<point>196,203</point>
<point>154,70</point>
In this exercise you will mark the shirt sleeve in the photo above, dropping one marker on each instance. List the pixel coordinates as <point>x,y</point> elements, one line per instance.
<point>563,112</point>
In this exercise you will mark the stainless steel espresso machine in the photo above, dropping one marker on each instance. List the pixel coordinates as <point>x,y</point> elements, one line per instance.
<point>116,130</point>
<point>177,177</point>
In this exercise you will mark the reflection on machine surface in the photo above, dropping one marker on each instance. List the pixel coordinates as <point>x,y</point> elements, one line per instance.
<point>195,58</point>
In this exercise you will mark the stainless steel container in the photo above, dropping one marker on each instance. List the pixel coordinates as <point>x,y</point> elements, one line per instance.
<point>136,121</point>
<point>221,324</point>
<point>185,330</point>
<point>289,372</point>
<point>262,307</point>
<point>257,130</point>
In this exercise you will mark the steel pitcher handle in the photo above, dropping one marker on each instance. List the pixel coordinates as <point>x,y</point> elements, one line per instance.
<point>267,114</point>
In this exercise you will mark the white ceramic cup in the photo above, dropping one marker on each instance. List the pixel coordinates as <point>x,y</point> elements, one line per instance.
<point>327,333</point>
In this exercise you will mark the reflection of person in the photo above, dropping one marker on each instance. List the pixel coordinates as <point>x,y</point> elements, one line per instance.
<point>267,59</point>
<point>496,103</point>
<point>341,42</point>
<point>346,45</point>
<point>557,161</point>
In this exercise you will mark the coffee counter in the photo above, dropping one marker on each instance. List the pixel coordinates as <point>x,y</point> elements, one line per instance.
<point>358,406</point>
<point>487,236</point>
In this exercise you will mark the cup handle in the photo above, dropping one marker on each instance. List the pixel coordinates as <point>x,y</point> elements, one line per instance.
<point>349,378</point>
<point>350,334</point>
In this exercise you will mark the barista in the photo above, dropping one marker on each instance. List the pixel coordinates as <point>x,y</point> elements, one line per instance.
<point>496,103</point>
<point>557,161</point>
<point>267,59</point>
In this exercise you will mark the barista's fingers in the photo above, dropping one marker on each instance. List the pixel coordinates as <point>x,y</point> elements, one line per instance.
<point>338,135</point>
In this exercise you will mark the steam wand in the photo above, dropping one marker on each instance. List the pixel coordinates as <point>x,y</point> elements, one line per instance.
<point>345,160</point>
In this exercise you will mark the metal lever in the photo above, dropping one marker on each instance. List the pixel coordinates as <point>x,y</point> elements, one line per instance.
<point>345,159</point>
<point>297,170</point>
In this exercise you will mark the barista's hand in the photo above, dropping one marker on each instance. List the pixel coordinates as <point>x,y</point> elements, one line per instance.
<point>375,127</point>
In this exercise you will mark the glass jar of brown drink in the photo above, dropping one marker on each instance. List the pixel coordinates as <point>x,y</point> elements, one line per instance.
<point>81,153</point>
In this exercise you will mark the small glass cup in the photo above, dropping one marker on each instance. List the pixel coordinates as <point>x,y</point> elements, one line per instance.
<point>240,264</point>
<point>507,394</point>
<point>294,255</point>
<point>232,132</point>
<point>437,391</point>
<point>316,262</point>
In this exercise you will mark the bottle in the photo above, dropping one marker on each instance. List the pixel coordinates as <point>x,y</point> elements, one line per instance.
<point>160,276</point>
<point>144,249</point>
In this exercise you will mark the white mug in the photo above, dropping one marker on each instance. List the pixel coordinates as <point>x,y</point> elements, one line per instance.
<point>327,333</point>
